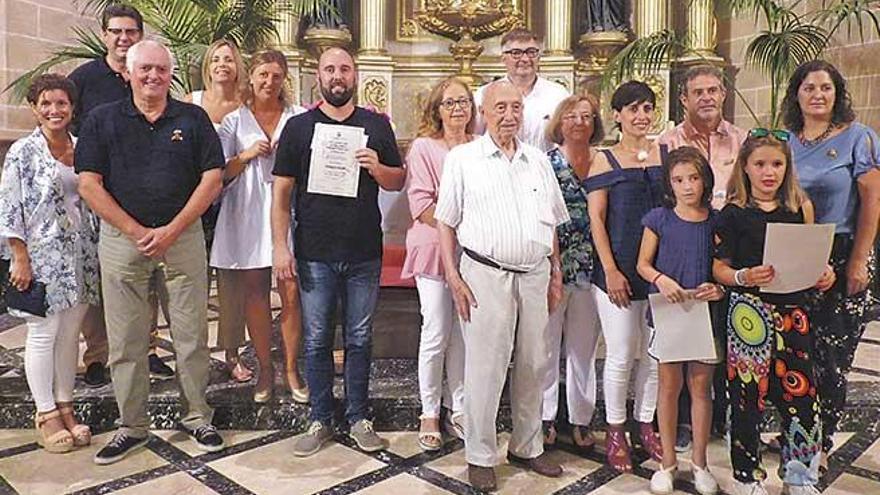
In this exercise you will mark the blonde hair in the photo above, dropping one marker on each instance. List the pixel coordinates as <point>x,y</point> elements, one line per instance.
<point>267,57</point>
<point>430,125</point>
<point>739,189</point>
<point>554,126</point>
<point>236,56</point>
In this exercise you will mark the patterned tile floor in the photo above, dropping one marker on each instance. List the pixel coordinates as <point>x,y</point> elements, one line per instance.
<point>260,462</point>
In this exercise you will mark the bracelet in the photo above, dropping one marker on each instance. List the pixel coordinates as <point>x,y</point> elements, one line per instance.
<point>656,278</point>
<point>739,277</point>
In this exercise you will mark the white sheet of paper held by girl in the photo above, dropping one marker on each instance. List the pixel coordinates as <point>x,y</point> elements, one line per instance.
<point>798,254</point>
<point>682,331</point>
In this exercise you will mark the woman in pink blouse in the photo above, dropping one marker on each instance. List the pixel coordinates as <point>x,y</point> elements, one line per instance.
<point>448,121</point>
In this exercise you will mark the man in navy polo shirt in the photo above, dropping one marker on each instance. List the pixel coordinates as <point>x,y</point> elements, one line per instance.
<point>149,166</point>
<point>338,242</point>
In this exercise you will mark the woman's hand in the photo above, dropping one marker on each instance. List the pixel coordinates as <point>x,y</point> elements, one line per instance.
<point>856,276</point>
<point>259,148</point>
<point>708,291</point>
<point>827,279</point>
<point>619,290</point>
<point>759,276</point>
<point>20,273</point>
<point>670,289</point>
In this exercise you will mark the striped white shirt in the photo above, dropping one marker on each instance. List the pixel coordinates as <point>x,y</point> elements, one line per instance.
<point>538,107</point>
<point>506,210</point>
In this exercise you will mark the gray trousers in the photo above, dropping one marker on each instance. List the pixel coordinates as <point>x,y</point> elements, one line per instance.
<point>125,279</point>
<point>510,320</point>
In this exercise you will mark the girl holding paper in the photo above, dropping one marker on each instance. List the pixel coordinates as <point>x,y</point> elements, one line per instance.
<point>770,339</point>
<point>836,160</point>
<point>676,257</point>
<point>242,249</point>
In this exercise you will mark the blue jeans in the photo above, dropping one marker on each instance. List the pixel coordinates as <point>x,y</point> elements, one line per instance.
<point>321,285</point>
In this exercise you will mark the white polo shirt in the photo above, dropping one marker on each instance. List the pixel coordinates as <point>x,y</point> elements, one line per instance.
<point>538,107</point>
<point>505,210</point>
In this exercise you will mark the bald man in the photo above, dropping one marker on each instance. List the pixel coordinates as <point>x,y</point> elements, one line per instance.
<point>338,242</point>
<point>499,199</point>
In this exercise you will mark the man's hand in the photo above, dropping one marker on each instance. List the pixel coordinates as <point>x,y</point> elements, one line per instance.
<point>157,241</point>
<point>554,290</point>
<point>856,276</point>
<point>462,295</point>
<point>283,264</point>
<point>367,158</point>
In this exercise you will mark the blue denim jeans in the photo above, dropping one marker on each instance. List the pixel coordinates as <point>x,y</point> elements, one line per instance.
<point>321,285</point>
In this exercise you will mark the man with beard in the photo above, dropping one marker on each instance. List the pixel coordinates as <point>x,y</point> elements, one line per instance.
<point>521,54</point>
<point>338,242</point>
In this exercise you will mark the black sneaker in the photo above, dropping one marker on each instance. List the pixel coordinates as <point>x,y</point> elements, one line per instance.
<point>206,437</point>
<point>96,375</point>
<point>158,369</point>
<point>118,447</point>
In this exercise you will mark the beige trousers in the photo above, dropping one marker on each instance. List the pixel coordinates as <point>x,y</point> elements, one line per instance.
<point>510,319</point>
<point>125,278</point>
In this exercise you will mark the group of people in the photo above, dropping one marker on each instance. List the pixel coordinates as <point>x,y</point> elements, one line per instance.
<point>527,243</point>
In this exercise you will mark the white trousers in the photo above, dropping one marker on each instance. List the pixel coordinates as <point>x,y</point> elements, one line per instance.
<point>576,318</point>
<point>510,319</point>
<point>627,337</point>
<point>441,348</point>
<point>50,352</point>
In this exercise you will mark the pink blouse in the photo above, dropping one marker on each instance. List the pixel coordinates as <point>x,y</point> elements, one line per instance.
<point>424,164</point>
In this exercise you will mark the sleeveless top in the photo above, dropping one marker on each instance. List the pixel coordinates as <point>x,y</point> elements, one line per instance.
<point>632,192</point>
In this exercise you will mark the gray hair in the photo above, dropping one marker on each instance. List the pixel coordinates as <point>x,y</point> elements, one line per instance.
<point>133,52</point>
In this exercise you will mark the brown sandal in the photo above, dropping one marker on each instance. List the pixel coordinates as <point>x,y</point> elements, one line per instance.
<point>239,372</point>
<point>583,438</point>
<point>82,434</point>
<point>59,442</point>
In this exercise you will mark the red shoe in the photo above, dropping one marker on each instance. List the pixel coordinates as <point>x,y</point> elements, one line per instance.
<point>617,450</point>
<point>650,441</point>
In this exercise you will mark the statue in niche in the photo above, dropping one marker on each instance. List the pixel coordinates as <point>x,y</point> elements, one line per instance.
<point>334,14</point>
<point>606,15</point>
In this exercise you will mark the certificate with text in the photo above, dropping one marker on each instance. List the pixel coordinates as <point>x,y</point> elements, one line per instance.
<point>333,169</point>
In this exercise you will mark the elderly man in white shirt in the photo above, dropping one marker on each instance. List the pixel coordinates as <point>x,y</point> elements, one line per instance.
<point>500,200</point>
<point>521,53</point>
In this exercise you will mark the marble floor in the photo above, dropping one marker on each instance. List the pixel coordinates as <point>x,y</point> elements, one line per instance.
<point>258,458</point>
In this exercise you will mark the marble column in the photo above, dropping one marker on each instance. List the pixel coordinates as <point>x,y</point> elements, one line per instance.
<point>375,67</point>
<point>557,62</point>
<point>288,28</point>
<point>702,29</point>
<point>652,16</point>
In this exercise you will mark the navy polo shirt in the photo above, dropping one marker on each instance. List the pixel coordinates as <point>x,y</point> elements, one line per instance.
<point>96,84</point>
<point>150,169</point>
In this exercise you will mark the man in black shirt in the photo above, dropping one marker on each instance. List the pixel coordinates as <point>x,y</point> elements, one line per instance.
<point>338,242</point>
<point>149,166</point>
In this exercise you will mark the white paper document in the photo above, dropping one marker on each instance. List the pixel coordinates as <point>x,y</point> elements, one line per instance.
<point>682,331</point>
<point>333,169</point>
<point>798,254</point>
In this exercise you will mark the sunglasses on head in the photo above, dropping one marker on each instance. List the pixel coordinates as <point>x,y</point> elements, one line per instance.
<point>761,132</point>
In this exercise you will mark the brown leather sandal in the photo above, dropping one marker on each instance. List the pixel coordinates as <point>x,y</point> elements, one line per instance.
<point>82,434</point>
<point>57,443</point>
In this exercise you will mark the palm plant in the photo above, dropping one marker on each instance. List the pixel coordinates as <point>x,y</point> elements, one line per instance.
<point>789,39</point>
<point>188,26</point>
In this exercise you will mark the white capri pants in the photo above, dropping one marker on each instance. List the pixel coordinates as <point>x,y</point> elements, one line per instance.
<point>441,348</point>
<point>50,353</point>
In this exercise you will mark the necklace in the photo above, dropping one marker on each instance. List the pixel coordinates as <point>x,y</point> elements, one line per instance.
<point>641,155</point>
<point>813,142</point>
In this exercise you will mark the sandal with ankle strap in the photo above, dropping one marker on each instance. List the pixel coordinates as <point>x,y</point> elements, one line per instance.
<point>429,440</point>
<point>617,450</point>
<point>82,434</point>
<point>57,443</point>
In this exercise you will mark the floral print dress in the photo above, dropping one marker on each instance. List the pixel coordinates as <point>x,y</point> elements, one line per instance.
<point>575,242</point>
<point>62,244</point>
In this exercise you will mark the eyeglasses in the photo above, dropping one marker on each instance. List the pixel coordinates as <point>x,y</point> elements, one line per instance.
<point>584,117</point>
<point>761,132</point>
<point>450,104</point>
<point>517,54</point>
<point>119,31</point>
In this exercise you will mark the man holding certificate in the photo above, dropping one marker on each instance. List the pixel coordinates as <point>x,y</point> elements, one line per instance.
<point>499,198</point>
<point>338,155</point>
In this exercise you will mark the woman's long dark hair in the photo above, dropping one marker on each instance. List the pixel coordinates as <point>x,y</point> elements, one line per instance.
<point>841,113</point>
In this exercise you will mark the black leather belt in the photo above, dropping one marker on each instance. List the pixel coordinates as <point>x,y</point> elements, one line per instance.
<point>479,258</point>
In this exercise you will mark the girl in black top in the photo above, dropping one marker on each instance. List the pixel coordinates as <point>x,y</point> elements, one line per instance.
<point>769,337</point>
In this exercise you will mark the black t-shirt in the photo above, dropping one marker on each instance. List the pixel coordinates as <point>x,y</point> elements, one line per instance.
<point>150,169</point>
<point>742,232</point>
<point>333,228</point>
<point>96,84</point>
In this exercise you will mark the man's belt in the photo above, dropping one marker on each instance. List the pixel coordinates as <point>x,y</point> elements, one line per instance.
<point>479,258</point>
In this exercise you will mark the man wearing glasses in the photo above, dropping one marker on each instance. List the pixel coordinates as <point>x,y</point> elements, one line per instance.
<point>521,53</point>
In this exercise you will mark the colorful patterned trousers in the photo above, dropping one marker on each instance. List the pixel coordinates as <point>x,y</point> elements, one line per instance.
<point>769,357</point>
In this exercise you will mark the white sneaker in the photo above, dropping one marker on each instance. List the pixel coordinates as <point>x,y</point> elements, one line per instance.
<point>753,488</point>
<point>661,481</point>
<point>704,482</point>
<point>799,489</point>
